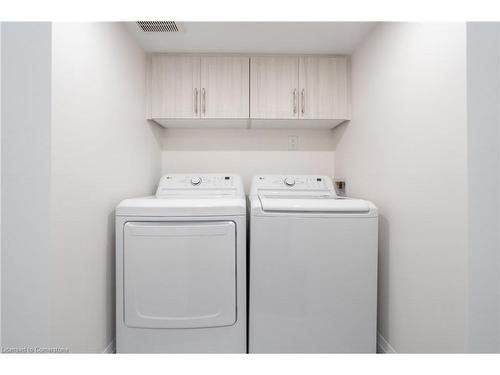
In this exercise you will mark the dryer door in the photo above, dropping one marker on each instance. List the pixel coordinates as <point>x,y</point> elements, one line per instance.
<point>180,274</point>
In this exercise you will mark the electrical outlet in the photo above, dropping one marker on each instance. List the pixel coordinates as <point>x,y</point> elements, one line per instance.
<point>293,142</point>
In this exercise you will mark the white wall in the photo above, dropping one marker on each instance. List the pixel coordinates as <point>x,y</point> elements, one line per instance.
<point>25,95</point>
<point>0,185</point>
<point>483,102</point>
<point>103,151</point>
<point>406,150</point>
<point>248,151</point>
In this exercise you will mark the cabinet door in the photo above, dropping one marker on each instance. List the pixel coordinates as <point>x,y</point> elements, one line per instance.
<point>225,87</point>
<point>175,86</point>
<point>274,87</point>
<point>323,88</point>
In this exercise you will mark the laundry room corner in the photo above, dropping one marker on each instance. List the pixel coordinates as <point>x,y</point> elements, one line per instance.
<point>76,145</point>
<point>102,151</point>
<point>409,154</point>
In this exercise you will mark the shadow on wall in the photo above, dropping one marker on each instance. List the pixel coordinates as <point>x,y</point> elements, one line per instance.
<point>383,271</point>
<point>249,139</point>
<point>157,131</point>
<point>110,260</point>
<point>338,133</point>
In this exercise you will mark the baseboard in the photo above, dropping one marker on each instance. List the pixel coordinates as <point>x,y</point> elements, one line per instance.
<point>383,346</point>
<point>110,348</point>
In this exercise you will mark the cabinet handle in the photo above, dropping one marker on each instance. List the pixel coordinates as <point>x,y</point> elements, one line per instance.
<point>294,101</point>
<point>204,98</point>
<point>303,109</point>
<point>195,101</point>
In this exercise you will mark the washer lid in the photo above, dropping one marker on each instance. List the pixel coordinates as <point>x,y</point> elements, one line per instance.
<point>308,203</point>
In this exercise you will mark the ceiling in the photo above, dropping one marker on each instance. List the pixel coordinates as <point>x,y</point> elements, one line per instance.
<point>256,37</point>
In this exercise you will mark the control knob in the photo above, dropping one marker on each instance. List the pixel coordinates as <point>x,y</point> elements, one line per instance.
<point>195,181</point>
<point>289,181</point>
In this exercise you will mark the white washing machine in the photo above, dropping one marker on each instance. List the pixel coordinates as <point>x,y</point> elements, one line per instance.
<point>313,268</point>
<point>181,267</point>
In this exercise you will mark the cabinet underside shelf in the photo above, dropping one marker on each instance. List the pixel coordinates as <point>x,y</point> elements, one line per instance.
<point>248,123</point>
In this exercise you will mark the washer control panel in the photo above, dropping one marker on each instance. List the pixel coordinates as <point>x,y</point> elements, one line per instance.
<point>313,183</point>
<point>199,184</point>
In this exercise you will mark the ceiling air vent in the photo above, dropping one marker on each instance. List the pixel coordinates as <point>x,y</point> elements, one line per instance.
<point>159,26</point>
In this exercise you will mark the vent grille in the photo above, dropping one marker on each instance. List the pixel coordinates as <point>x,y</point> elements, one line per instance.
<point>159,26</point>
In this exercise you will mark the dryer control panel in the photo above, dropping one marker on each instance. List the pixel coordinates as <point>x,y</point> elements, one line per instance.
<point>294,183</point>
<point>194,184</point>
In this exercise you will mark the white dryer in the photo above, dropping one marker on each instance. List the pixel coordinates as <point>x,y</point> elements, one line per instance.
<point>313,268</point>
<point>181,267</point>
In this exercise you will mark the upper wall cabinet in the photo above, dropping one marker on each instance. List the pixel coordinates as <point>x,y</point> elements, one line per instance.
<point>224,87</point>
<point>323,88</point>
<point>238,91</point>
<point>175,87</point>
<point>308,88</point>
<point>274,87</point>
<point>194,87</point>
